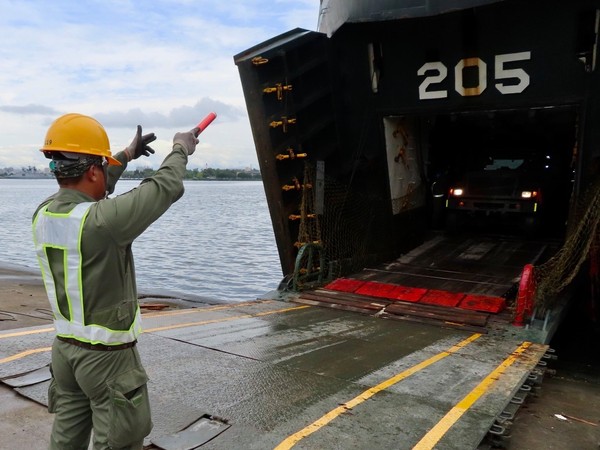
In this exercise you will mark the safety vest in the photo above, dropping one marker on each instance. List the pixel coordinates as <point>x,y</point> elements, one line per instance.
<point>63,232</point>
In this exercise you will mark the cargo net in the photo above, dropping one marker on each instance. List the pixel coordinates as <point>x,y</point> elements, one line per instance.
<point>583,240</point>
<point>341,233</point>
<point>310,229</point>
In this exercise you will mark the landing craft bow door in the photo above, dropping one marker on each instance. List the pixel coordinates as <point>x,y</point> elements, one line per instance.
<point>289,97</point>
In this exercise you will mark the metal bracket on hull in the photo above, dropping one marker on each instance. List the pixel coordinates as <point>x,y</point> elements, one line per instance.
<point>298,216</point>
<point>283,123</point>
<point>258,60</point>
<point>279,88</point>
<point>291,155</point>
<point>297,186</point>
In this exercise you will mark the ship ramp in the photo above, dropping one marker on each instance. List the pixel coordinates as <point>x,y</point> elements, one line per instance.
<point>471,282</point>
<point>272,374</point>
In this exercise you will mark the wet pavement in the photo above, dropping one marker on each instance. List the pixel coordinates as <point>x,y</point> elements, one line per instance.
<point>272,374</point>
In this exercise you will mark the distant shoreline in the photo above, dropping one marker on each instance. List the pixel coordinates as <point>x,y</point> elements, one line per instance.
<point>134,179</point>
<point>48,177</point>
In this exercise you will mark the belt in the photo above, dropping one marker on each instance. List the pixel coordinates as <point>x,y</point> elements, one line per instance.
<point>98,347</point>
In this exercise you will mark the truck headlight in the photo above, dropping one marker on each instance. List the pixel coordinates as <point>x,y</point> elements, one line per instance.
<point>528,194</point>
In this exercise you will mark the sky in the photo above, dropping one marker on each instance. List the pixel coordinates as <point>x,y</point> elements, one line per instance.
<point>163,64</point>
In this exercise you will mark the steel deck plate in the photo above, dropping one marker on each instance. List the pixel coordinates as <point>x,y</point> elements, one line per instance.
<point>270,369</point>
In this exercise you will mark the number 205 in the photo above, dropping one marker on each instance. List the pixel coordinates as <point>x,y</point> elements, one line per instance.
<point>427,89</point>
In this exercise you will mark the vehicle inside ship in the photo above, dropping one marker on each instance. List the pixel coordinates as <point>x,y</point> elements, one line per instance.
<point>536,146</point>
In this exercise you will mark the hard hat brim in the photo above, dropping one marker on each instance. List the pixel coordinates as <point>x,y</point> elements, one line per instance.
<point>113,161</point>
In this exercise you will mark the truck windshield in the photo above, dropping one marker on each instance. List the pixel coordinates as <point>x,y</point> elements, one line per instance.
<point>497,164</point>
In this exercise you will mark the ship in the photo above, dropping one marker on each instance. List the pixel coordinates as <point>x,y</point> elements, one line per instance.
<point>436,152</point>
<point>437,163</point>
<point>431,172</point>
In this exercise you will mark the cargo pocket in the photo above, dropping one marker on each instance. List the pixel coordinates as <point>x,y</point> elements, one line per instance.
<point>129,421</point>
<point>52,394</point>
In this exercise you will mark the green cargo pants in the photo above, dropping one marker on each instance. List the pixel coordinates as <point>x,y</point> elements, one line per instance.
<point>101,390</point>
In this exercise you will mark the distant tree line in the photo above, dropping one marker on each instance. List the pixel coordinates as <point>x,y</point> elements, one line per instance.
<point>193,174</point>
<point>204,174</point>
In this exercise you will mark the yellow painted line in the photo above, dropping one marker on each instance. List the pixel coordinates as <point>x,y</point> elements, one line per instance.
<point>181,325</point>
<point>441,428</point>
<point>147,315</point>
<point>223,319</point>
<point>24,354</point>
<point>25,333</point>
<point>292,440</point>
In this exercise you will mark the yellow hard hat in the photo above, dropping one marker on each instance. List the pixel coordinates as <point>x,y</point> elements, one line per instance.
<point>76,133</point>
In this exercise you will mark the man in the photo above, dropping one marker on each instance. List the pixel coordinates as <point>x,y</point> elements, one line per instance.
<point>83,242</point>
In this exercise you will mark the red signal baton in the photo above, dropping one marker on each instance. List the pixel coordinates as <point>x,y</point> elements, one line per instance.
<point>204,123</point>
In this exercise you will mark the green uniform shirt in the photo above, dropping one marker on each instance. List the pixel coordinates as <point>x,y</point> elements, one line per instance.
<point>111,226</point>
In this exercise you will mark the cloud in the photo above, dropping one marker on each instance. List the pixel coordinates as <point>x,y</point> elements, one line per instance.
<point>30,109</point>
<point>179,117</point>
<point>163,64</point>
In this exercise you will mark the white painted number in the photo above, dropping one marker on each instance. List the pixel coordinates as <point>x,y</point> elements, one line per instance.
<point>459,85</point>
<point>442,73</point>
<point>501,74</point>
<point>504,74</point>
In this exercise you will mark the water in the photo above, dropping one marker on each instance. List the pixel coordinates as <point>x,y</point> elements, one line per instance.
<point>216,242</point>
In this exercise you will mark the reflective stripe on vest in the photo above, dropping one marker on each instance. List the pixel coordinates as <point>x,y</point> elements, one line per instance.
<point>63,232</point>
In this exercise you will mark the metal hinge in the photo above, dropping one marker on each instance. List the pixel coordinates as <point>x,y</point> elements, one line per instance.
<point>279,88</point>
<point>291,155</point>
<point>284,122</point>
